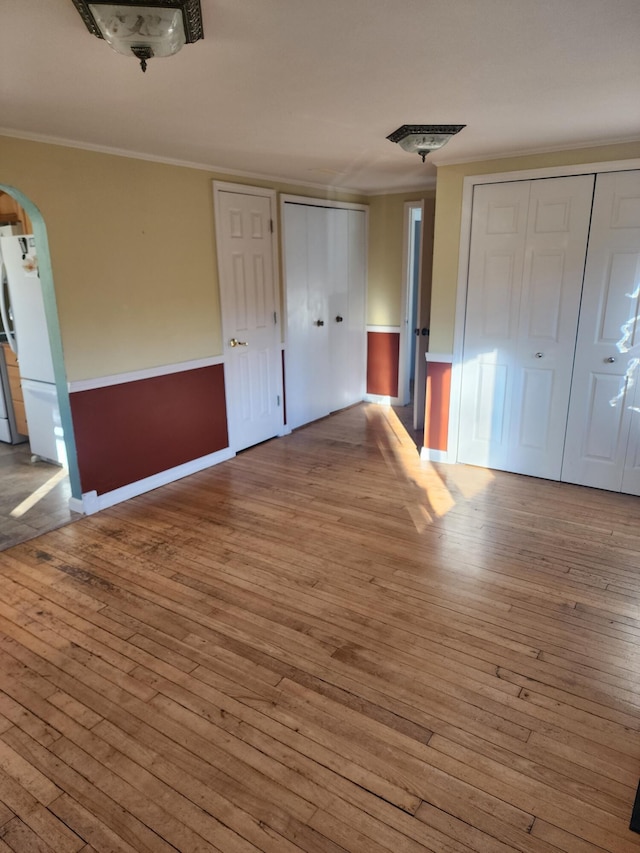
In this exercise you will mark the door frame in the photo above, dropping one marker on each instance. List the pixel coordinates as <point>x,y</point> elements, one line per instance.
<point>469,184</point>
<point>45,272</point>
<point>264,192</point>
<point>406,297</point>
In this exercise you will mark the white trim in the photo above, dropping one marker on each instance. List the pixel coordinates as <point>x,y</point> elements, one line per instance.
<point>185,164</point>
<point>429,455</point>
<point>396,329</point>
<point>76,505</point>
<point>439,357</point>
<point>146,373</point>
<point>406,302</point>
<point>93,502</point>
<point>469,183</point>
<point>381,400</point>
<point>287,198</point>
<point>553,172</point>
<point>428,187</point>
<point>443,160</point>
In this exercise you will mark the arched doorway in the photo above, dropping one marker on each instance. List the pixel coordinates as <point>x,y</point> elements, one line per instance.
<point>33,511</point>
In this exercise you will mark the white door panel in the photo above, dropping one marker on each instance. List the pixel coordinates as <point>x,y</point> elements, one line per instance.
<point>306,372</point>
<point>348,350</point>
<point>325,273</point>
<point>493,308</point>
<point>556,243</point>
<point>603,418</point>
<point>249,316</point>
<point>527,252</point>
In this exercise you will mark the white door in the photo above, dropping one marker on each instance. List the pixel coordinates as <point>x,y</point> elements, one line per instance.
<point>603,444</point>
<point>250,307</point>
<point>325,273</point>
<point>306,261</point>
<point>347,309</point>
<point>528,244</point>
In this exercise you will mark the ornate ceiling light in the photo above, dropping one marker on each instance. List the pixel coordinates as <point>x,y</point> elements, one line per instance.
<point>423,138</point>
<point>143,28</point>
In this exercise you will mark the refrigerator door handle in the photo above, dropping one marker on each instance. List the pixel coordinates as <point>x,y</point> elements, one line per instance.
<point>4,311</point>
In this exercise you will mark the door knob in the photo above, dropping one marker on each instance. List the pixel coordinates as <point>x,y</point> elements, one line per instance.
<point>236,343</point>
<point>539,355</point>
<point>611,359</point>
<point>339,319</point>
<point>319,323</point>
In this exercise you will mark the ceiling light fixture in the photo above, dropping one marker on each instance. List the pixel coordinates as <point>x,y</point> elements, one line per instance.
<point>144,28</point>
<point>423,138</point>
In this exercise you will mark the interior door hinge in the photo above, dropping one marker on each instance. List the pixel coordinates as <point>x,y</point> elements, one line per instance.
<point>275,319</point>
<point>278,399</point>
<point>271,225</point>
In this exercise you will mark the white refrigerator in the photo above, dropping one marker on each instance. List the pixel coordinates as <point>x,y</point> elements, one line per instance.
<point>24,321</point>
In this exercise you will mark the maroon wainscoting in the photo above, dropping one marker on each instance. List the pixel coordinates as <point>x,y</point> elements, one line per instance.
<point>383,357</point>
<point>130,431</point>
<point>436,416</point>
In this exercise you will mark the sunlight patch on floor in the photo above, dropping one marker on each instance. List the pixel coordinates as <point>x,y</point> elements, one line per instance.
<point>39,493</point>
<point>431,496</point>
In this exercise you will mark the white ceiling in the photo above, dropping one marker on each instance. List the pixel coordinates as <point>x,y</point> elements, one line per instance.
<point>307,90</point>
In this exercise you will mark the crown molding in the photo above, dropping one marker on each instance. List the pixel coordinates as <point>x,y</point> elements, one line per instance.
<point>203,167</point>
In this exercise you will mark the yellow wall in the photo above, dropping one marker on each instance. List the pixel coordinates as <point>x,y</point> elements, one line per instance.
<point>133,253</point>
<point>386,256</point>
<point>448,219</point>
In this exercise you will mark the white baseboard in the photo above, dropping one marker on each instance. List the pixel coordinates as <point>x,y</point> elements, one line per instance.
<point>381,400</point>
<point>427,454</point>
<point>76,505</point>
<point>93,502</point>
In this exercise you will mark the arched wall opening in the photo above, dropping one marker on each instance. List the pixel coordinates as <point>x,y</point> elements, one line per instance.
<point>53,327</point>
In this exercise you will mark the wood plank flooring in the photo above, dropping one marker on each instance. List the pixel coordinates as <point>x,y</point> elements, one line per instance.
<point>325,645</point>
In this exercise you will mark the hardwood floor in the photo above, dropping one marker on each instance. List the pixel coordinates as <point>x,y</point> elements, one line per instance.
<point>325,645</point>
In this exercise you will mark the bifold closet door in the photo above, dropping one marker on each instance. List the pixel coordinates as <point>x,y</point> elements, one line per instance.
<point>325,275</point>
<point>307,377</point>
<point>603,431</point>
<point>528,244</point>
<point>347,351</point>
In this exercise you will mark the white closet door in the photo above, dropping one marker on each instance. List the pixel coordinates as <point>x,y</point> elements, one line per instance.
<point>306,232</point>
<point>602,431</point>
<point>498,233</point>
<point>325,272</point>
<point>347,310</point>
<point>556,244</point>
<point>357,307</point>
<point>528,244</point>
<point>338,307</point>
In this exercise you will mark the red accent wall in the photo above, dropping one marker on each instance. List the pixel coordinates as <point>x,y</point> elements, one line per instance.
<point>436,416</point>
<point>383,358</point>
<point>130,431</point>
